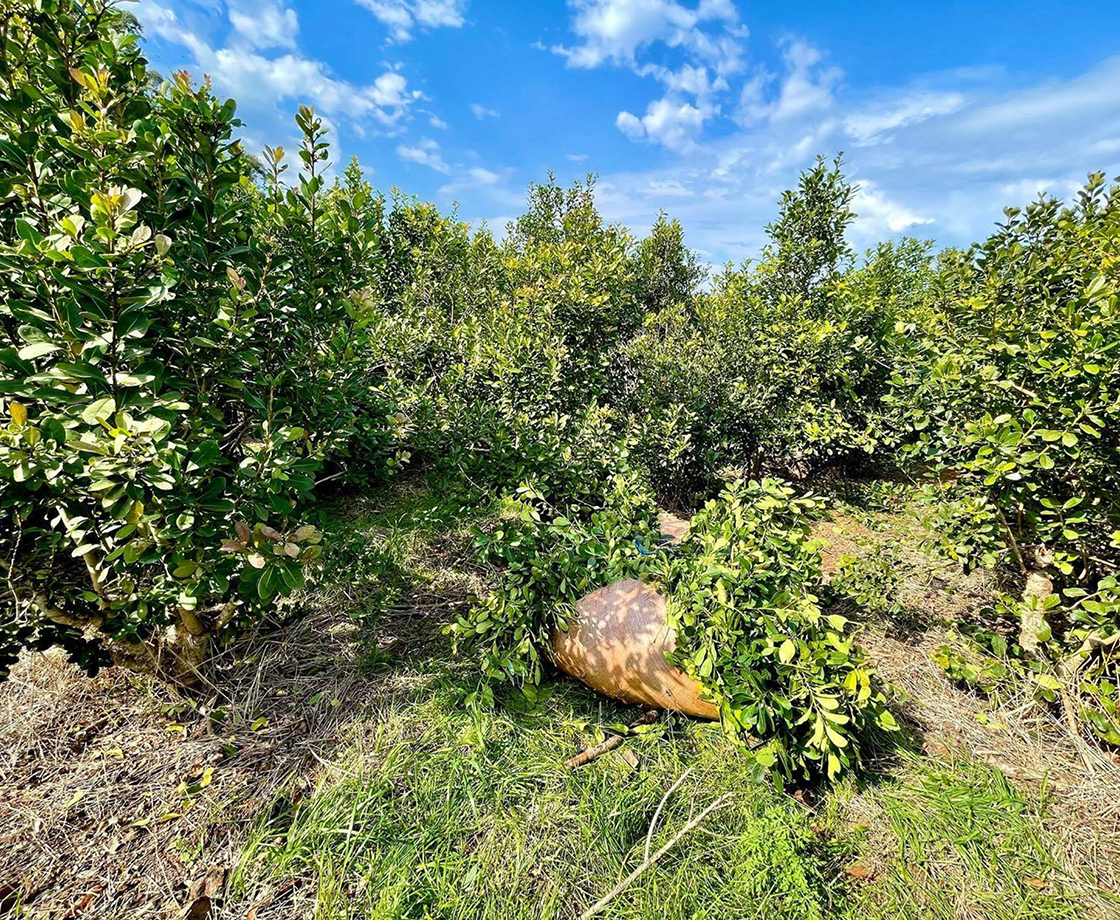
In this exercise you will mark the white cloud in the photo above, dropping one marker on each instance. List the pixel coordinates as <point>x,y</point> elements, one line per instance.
<point>806,86</point>
<point>879,213</point>
<point>868,126</point>
<point>939,177</point>
<point>403,17</point>
<point>577,157</point>
<point>264,24</point>
<point>482,112</point>
<point>436,122</point>
<point>636,33</point>
<point>257,79</point>
<point>670,122</point>
<point>1029,189</point>
<point>426,153</point>
<point>255,58</point>
<point>1057,103</point>
<point>157,19</point>
<point>495,190</point>
<point>696,81</point>
<point>615,31</point>
<point>630,125</point>
<point>926,163</point>
<point>670,188</point>
<point>483,176</point>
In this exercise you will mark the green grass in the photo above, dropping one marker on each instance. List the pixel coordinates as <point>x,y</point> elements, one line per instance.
<point>965,843</point>
<point>464,812</point>
<point>436,806</point>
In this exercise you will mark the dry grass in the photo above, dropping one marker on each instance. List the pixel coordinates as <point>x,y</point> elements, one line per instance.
<point>122,798</point>
<point>1077,783</point>
<point>119,795</point>
<point>94,822</point>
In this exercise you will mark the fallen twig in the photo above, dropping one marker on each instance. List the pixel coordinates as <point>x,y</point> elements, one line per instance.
<point>598,750</point>
<point>657,812</point>
<point>598,906</point>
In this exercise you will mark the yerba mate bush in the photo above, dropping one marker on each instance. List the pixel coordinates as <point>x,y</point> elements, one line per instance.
<point>747,599</point>
<point>783,366</point>
<point>526,388</point>
<point>1008,389</point>
<point>182,355</point>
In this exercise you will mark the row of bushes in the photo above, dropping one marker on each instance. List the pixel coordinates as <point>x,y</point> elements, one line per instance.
<point>197,341</point>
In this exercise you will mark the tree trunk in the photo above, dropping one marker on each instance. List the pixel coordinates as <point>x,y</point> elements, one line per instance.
<point>1038,586</point>
<point>188,643</point>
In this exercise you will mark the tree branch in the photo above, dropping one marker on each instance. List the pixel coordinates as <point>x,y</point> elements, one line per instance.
<point>598,750</point>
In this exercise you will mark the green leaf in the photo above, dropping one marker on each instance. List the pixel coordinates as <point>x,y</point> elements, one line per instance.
<point>266,585</point>
<point>53,430</point>
<point>133,380</point>
<point>99,410</point>
<point>37,350</point>
<point>1048,682</point>
<point>28,233</point>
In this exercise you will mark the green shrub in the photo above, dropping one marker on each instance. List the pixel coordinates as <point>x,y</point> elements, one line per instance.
<point>524,388</point>
<point>744,589</point>
<point>1011,385</point>
<point>1008,392</point>
<point>782,366</point>
<point>182,350</point>
<point>745,594</point>
<point>548,561</point>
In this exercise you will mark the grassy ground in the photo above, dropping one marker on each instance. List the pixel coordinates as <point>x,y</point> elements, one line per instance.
<point>447,811</point>
<point>357,772</point>
<point>439,806</point>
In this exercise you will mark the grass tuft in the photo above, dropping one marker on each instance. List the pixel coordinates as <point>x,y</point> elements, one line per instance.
<point>965,844</point>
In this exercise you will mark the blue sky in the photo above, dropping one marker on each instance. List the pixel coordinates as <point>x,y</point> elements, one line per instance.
<point>707,109</point>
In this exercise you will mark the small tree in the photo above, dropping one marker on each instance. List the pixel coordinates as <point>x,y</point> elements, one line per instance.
<point>784,364</point>
<point>181,350</point>
<point>808,249</point>
<point>669,273</point>
<point>1011,387</point>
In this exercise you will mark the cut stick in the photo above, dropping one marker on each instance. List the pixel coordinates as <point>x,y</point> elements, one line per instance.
<point>599,905</point>
<point>657,813</point>
<point>598,750</point>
